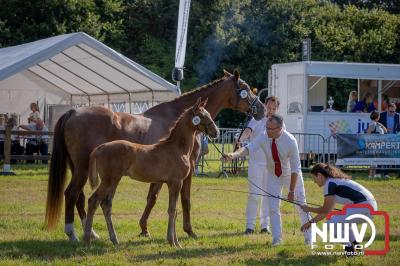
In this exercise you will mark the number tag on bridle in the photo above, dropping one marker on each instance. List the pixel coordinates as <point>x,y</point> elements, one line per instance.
<point>243,94</point>
<point>196,120</point>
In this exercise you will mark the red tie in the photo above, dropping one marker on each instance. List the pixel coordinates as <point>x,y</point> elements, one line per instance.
<point>278,167</point>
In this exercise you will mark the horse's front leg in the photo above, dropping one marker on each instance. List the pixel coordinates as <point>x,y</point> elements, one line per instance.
<point>154,190</point>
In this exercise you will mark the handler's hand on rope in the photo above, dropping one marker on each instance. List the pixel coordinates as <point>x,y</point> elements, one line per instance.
<point>227,157</point>
<point>290,196</point>
<point>305,208</point>
<point>305,226</point>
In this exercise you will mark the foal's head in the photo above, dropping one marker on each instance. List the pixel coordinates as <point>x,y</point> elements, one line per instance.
<point>202,120</point>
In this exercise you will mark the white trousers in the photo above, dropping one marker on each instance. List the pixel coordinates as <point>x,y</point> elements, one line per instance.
<point>258,175</point>
<point>350,211</point>
<point>275,185</point>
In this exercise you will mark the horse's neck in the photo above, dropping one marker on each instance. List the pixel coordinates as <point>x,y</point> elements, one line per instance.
<point>216,102</point>
<point>183,135</point>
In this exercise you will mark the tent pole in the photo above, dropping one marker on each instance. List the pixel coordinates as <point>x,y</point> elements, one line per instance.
<point>380,95</point>
<point>130,103</point>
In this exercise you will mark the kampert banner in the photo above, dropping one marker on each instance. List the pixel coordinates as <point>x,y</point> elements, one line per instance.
<point>368,149</point>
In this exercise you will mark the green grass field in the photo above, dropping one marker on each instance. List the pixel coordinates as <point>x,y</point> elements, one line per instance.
<point>218,218</point>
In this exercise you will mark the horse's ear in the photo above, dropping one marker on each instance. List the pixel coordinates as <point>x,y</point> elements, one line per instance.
<point>203,104</point>
<point>227,74</point>
<point>197,104</point>
<point>236,74</point>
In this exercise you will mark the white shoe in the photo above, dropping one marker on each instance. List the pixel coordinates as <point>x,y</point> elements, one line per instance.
<point>277,243</point>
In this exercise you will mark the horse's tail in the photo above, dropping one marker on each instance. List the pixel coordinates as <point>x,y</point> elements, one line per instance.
<point>93,174</point>
<point>57,174</point>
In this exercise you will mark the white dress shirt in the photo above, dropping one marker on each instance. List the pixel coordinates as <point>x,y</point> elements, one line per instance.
<point>288,152</point>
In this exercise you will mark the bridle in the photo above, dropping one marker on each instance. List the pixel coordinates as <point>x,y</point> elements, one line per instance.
<point>243,94</point>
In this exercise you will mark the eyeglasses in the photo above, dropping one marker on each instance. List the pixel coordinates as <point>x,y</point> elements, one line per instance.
<point>270,129</point>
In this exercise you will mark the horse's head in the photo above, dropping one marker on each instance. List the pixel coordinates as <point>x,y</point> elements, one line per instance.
<point>202,119</point>
<point>242,98</point>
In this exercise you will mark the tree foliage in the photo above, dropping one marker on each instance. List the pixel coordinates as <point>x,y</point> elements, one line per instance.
<point>248,35</point>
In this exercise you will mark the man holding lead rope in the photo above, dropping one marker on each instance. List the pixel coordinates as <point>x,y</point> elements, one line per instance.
<point>284,169</point>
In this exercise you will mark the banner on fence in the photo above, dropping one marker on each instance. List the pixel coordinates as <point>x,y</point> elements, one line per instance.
<point>368,149</point>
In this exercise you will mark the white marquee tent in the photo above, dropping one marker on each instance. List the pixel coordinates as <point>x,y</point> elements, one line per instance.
<point>76,69</point>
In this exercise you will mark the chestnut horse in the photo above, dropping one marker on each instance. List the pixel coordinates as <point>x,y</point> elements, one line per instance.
<point>168,161</point>
<point>78,132</point>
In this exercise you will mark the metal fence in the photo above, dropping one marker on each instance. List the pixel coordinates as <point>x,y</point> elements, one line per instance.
<point>313,148</point>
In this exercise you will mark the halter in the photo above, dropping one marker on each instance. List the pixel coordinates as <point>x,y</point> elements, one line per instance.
<point>252,103</point>
<point>206,126</point>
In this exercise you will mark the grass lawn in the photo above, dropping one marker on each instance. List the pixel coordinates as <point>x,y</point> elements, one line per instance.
<point>218,217</point>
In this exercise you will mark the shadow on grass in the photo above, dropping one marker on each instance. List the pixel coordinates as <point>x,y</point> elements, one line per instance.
<point>283,260</point>
<point>187,253</point>
<point>45,250</point>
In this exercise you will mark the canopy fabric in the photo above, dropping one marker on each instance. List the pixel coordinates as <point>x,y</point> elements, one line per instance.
<point>350,70</point>
<point>74,69</point>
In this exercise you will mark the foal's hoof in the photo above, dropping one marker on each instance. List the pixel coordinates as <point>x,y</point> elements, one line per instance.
<point>86,239</point>
<point>191,234</point>
<point>144,234</point>
<point>94,235</point>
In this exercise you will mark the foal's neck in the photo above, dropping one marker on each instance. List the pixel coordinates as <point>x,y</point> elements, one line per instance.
<point>182,135</point>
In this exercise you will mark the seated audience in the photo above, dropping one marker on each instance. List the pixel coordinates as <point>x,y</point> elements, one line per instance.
<point>36,144</point>
<point>366,105</point>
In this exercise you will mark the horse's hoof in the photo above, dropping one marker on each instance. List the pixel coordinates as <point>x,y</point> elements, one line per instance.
<point>114,240</point>
<point>73,238</point>
<point>144,234</point>
<point>94,235</point>
<point>86,239</point>
<point>192,234</point>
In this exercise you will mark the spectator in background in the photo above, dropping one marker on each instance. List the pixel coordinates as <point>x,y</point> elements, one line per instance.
<point>366,105</point>
<point>351,103</point>
<point>203,151</point>
<point>35,115</point>
<point>385,102</point>
<point>390,120</point>
<point>36,144</point>
<point>375,128</point>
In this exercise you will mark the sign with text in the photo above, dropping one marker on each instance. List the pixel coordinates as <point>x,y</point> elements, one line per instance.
<point>368,149</point>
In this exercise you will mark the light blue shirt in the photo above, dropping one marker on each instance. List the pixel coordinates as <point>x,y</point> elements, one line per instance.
<point>390,123</point>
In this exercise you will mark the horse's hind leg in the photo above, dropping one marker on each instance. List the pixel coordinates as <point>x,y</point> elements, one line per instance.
<point>154,190</point>
<point>80,206</point>
<point>71,197</point>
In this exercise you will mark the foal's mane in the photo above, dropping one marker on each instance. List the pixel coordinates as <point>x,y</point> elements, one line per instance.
<point>174,128</point>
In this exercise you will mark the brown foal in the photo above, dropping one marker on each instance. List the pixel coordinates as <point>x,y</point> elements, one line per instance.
<point>79,131</point>
<point>167,161</point>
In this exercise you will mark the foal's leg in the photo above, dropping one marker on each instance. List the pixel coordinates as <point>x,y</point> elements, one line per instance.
<point>106,205</point>
<point>185,194</point>
<point>174,187</point>
<point>152,195</point>
<point>80,206</point>
<point>98,196</point>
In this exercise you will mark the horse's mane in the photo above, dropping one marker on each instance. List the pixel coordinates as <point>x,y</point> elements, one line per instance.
<point>189,93</point>
<point>210,84</point>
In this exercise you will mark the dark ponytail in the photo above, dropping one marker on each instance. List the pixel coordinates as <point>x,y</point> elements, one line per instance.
<point>329,171</point>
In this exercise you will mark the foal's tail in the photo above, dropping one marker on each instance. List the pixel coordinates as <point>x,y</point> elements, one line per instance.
<point>93,174</point>
<point>57,173</point>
